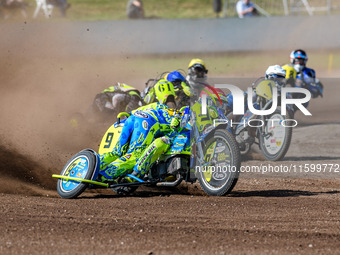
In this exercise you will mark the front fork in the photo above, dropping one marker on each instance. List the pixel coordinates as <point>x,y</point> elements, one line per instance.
<point>262,130</point>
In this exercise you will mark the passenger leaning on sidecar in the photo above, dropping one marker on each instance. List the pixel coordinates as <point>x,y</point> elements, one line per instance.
<point>146,134</point>
<point>182,89</point>
<point>300,76</point>
<point>179,90</point>
<point>118,98</point>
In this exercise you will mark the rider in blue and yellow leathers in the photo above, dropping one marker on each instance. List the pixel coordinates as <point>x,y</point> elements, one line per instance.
<point>146,134</point>
<point>300,76</point>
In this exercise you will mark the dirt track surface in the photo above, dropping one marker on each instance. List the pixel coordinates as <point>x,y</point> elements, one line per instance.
<point>265,213</point>
<point>260,217</point>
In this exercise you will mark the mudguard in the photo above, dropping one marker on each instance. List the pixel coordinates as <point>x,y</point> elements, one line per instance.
<point>111,137</point>
<point>97,165</point>
<point>207,136</point>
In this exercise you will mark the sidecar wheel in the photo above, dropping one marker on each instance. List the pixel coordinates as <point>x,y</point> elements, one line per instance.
<point>81,165</point>
<point>222,164</point>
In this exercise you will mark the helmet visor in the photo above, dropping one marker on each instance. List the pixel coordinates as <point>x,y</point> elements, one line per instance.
<point>199,71</point>
<point>177,84</point>
<point>277,78</point>
<point>300,61</point>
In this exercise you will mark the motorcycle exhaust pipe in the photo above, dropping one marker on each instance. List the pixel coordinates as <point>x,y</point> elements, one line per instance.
<point>171,184</point>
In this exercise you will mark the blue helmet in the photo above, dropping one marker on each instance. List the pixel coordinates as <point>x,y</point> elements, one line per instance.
<point>298,56</point>
<point>174,76</point>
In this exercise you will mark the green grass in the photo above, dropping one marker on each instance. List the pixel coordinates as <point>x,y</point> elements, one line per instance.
<point>167,9</point>
<point>96,10</point>
<point>233,63</point>
<point>91,10</point>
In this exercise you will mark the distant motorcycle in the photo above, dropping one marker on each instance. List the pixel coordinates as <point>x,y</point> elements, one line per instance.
<point>272,133</point>
<point>104,110</point>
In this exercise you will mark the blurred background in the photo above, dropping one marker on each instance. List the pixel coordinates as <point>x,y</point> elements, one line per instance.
<point>171,9</point>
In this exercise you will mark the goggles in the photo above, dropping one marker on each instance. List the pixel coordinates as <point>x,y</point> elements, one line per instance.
<point>300,61</point>
<point>199,71</point>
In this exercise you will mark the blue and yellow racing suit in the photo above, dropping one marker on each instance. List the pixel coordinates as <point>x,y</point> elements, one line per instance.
<point>304,79</point>
<point>146,134</point>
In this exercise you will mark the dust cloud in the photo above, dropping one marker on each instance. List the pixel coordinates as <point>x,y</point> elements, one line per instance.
<point>40,91</point>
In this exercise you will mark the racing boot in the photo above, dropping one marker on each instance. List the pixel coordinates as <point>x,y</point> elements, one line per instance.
<point>136,177</point>
<point>103,179</point>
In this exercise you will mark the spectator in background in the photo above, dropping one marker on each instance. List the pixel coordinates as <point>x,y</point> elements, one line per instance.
<point>245,8</point>
<point>217,5</point>
<point>9,5</point>
<point>63,5</point>
<point>134,9</point>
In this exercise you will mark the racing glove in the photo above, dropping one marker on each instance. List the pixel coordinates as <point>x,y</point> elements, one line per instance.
<point>213,113</point>
<point>175,122</point>
<point>186,89</point>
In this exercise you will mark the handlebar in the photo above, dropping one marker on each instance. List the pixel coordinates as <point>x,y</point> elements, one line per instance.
<point>121,114</point>
<point>148,81</point>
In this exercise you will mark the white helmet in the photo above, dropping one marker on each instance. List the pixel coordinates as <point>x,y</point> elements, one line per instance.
<point>276,73</point>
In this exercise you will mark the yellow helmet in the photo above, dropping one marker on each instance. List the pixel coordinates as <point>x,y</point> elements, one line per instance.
<point>197,61</point>
<point>164,91</point>
<point>197,69</point>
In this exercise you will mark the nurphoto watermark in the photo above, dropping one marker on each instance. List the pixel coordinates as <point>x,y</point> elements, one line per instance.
<point>238,101</point>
